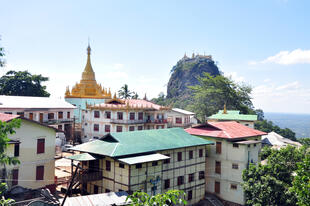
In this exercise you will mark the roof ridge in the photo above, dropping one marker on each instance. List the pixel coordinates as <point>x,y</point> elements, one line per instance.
<point>112,153</point>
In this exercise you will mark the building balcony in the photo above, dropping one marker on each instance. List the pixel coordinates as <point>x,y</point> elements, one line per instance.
<point>157,121</point>
<point>126,121</point>
<point>87,176</point>
<point>57,121</point>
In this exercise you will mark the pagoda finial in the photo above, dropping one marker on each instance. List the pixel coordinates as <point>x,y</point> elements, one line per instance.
<point>109,92</point>
<point>114,97</point>
<point>225,110</point>
<point>185,55</point>
<point>67,91</point>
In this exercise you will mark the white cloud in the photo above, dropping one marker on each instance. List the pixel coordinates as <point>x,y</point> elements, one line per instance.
<point>234,76</point>
<point>297,56</point>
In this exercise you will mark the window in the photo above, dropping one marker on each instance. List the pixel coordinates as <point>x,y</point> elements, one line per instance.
<point>180,180</point>
<point>95,137</point>
<point>40,173</point>
<point>179,156</point>
<point>247,125</point>
<point>154,163</point>
<point>235,145</point>
<point>167,161</point>
<point>132,128</point>
<point>167,184</point>
<point>60,115</point>
<point>96,127</point>
<point>40,146</point>
<point>140,115</point>
<point>119,128</point>
<point>190,154</point>
<point>21,114</point>
<point>14,177</point>
<point>96,189</point>
<point>190,195</point>
<point>200,152</point>
<point>178,120</point>
<point>41,117</point>
<point>96,114</point>
<point>217,187</point>
<point>218,147</point>
<point>138,166</point>
<point>217,167</point>
<point>191,177</point>
<point>68,115</point>
<point>59,127</point>
<point>201,175</point>
<point>249,146</point>
<point>108,165</point>
<point>7,112</point>
<point>121,165</point>
<point>31,116</point>
<point>107,128</point>
<point>254,145</point>
<point>132,116</point>
<point>233,186</point>
<point>140,127</point>
<point>16,149</point>
<point>50,115</point>
<point>107,190</point>
<point>120,115</point>
<point>108,115</point>
<point>235,166</point>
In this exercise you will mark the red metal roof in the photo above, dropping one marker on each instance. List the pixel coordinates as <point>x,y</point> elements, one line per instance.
<point>7,117</point>
<point>227,130</point>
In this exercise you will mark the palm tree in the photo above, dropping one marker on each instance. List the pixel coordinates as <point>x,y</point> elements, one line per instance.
<point>124,92</point>
<point>135,95</point>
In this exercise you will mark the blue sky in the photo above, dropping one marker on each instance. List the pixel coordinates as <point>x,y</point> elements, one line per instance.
<point>262,43</point>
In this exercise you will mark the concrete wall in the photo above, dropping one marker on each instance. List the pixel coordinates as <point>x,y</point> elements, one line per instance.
<point>28,134</point>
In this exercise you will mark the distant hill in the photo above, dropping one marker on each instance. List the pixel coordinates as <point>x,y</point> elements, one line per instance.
<point>298,123</point>
<point>184,74</point>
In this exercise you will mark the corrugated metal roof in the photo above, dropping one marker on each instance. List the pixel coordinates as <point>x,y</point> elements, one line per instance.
<point>273,138</point>
<point>128,143</point>
<point>82,157</point>
<point>103,199</point>
<point>33,102</point>
<point>233,115</point>
<point>183,111</point>
<point>248,142</point>
<point>143,158</point>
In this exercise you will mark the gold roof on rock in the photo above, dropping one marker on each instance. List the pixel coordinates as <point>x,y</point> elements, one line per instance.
<point>88,87</point>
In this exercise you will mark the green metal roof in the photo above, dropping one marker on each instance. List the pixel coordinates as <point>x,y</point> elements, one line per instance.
<point>233,115</point>
<point>143,158</point>
<point>82,157</point>
<point>128,143</point>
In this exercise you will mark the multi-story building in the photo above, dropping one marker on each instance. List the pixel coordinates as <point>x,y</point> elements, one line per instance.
<point>33,145</point>
<point>236,146</point>
<point>117,115</point>
<point>50,111</point>
<point>234,115</point>
<point>181,118</point>
<point>153,161</point>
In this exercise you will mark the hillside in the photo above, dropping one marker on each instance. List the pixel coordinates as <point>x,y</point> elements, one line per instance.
<point>185,74</point>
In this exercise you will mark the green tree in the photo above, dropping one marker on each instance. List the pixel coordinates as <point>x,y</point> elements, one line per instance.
<point>213,92</point>
<point>301,183</point>
<point>171,197</point>
<point>6,128</point>
<point>260,114</point>
<point>124,92</point>
<point>304,141</point>
<point>1,56</point>
<point>135,95</point>
<point>22,83</point>
<point>269,184</point>
<point>268,126</point>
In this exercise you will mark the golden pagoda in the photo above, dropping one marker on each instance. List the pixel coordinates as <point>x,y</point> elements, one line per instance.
<point>88,87</point>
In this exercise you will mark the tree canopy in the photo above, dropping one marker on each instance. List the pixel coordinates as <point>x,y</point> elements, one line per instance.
<point>124,92</point>
<point>272,183</point>
<point>1,56</point>
<point>22,83</point>
<point>213,92</point>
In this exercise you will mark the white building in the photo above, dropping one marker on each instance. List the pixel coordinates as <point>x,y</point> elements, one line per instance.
<point>51,111</point>
<point>117,115</point>
<point>275,140</point>
<point>236,146</point>
<point>181,118</point>
<point>33,145</point>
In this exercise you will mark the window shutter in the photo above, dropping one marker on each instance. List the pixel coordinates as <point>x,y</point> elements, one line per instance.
<point>40,173</point>
<point>40,146</point>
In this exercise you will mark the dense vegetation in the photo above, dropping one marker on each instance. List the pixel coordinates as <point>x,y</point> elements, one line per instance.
<point>22,83</point>
<point>282,180</point>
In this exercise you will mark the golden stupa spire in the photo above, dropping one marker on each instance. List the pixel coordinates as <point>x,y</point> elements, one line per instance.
<point>88,73</point>
<point>225,110</point>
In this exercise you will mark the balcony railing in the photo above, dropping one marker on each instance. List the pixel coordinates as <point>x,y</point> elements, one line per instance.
<point>55,121</point>
<point>157,121</point>
<point>90,176</point>
<point>126,121</point>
